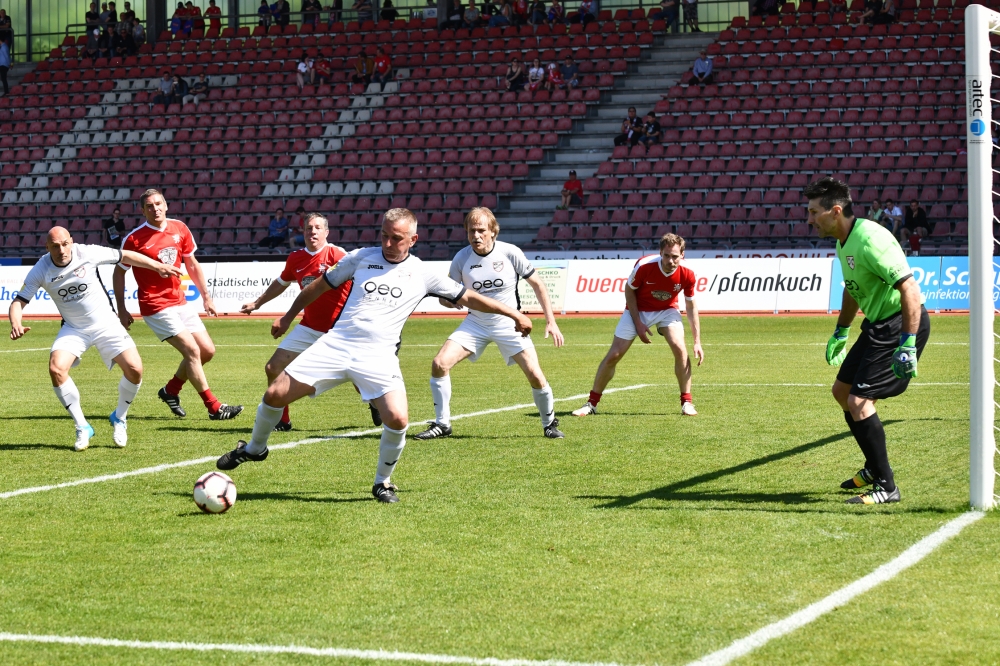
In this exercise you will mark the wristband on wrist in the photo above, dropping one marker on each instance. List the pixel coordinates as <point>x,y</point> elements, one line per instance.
<point>907,340</point>
<point>841,331</point>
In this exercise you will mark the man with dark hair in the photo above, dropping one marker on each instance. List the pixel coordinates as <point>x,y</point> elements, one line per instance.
<point>114,228</point>
<point>651,296</point>
<point>630,129</point>
<point>914,225</point>
<point>894,332</point>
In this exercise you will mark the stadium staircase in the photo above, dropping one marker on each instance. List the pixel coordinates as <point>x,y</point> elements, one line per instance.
<point>590,143</point>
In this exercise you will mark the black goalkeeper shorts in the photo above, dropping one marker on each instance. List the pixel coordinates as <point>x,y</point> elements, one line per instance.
<point>868,366</point>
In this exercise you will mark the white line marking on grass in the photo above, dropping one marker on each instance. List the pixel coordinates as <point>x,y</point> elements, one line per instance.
<point>886,572</point>
<point>337,653</point>
<point>18,351</point>
<point>289,445</point>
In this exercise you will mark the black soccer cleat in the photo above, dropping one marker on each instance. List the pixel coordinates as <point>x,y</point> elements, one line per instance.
<point>226,412</point>
<point>876,496</point>
<point>385,493</point>
<point>283,426</point>
<point>552,430</point>
<point>434,430</point>
<point>860,480</point>
<point>376,417</point>
<point>173,402</point>
<point>238,456</point>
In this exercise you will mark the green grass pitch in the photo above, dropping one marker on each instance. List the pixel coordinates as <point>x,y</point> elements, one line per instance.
<point>643,537</point>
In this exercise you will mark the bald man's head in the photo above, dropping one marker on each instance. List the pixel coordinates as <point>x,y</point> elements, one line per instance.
<point>59,243</point>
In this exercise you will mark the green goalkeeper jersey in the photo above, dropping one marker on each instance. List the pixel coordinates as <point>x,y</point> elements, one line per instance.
<point>873,264</point>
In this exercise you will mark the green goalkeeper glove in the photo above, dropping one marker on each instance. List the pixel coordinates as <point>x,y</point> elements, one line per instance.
<point>835,352</point>
<point>904,359</point>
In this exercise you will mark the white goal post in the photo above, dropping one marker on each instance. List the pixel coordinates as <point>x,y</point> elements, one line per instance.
<point>980,23</point>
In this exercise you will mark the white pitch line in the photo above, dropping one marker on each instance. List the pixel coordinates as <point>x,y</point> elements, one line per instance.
<point>886,572</point>
<point>337,653</point>
<point>289,445</point>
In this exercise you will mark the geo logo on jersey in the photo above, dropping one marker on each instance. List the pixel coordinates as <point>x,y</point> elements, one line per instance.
<point>498,266</point>
<point>167,255</point>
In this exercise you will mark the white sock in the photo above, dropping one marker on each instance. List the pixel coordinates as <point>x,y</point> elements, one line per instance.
<point>441,390</point>
<point>389,450</point>
<point>545,403</point>
<point>126,394</point>
<point>69,396</point>
<point>263,425</point>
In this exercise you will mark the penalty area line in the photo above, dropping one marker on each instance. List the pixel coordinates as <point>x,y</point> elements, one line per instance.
<point>289,445</point>
<point>884,573</point>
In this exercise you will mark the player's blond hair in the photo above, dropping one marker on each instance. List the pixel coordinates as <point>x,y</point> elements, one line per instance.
<point>312,216</point>
<point>395,214</point>
<point>482,213</point>
<point>144,197</point>
<point>672,240</point>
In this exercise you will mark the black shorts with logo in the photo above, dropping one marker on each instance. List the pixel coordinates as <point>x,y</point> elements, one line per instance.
<point>868,366</point>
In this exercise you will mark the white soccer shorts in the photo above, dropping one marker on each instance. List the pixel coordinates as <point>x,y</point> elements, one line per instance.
<point>475,337</point>
<point>173,320</point>
<point>658,319</point>
<point>300,339</point>
<point>328,363</point>
<point>110,338</point>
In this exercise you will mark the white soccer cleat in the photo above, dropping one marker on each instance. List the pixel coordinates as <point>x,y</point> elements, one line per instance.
<point>687,409</point>
<point>83,436</point>
<point>586,410</point>
<point>120,434</point>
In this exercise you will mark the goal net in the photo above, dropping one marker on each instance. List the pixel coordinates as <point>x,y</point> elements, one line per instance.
<point>982,28</point>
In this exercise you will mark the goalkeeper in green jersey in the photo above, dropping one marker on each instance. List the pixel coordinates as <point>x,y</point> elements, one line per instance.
<point>893,334</point>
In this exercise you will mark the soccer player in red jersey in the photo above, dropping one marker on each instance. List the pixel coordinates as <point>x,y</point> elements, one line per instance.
<point>304,266</point>
<point>164,307</point>
<point>651,300</point>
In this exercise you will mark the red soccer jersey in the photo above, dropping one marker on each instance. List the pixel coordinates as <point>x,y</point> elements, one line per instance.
<point>304,267</point>
<point>168,246</point>
<point>655,290</point>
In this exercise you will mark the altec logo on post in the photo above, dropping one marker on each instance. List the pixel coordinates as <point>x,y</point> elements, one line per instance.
<point>976,96</point>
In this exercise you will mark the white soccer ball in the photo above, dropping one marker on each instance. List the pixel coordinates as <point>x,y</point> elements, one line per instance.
<point>214,492</point>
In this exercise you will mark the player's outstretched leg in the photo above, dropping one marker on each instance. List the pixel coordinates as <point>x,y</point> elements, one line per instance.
<point>870,434</point>
<point>197,349</point>
<point>450,354</point>
<point>605,373</point>
<point>674,335</point>
<point>527,360</point>
<point>60,361</point>
<point>281,393</point>
<point>394,410</point>
<point>275,366</point>
<point>131,365</point>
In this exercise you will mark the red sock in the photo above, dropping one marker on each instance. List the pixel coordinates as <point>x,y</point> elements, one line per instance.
<point>175,385</point>
<point>686,397</point>
<point>595,398</point>
<point>285,418</point>
<point>210,400</point>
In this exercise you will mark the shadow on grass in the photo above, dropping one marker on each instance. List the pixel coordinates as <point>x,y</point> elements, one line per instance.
<point>282,497</point>
<point>24,447</point>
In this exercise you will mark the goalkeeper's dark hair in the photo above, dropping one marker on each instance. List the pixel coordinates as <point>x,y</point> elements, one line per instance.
<point>831,192</point>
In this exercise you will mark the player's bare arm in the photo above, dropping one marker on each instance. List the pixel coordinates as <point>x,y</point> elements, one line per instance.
<point>316,289</point>
<point>542,294</point>
<point>849,310</point>
<point>448,304</point>
<point>692,314</point>
<point>198,277</point>
<point>480,303</point>
<point>633,309</point>
<point>273,290</point>
<point>118,284</point>
<point>909,301</point>
<point>17,330</point>
<point>137,260</point>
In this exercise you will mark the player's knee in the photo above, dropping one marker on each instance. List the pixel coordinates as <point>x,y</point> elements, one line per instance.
<point>840,393</point>
<point>133,372</point>
<point>396,421</point>
<point>59,375</point>
<point>272,370</point>
<point>206,353</point>
<point>440,367</point>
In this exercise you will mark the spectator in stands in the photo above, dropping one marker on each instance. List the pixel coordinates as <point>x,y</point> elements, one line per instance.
<point>887,14</point>
<point>214,15</point>
<point>304,72</point>
<point>4,65</point>
<point>570,73</point>
<point>539,15</point>
<point>119,43</point>
<point>515,78</point>
<point>670,13</point>
<point>284,15</point>
<point>297,225</point>
<point>128,16</point>
<point>138,34</point>
<point>893,215</point>
<point>572,192</point>
<point>875,213</point>
<point>691,14</point>
<point>166,89</point>
<point>651,130</point>
<point>452,15</point>
<point>556,14</point>
<point>114,228</point>
<point>194,15</point>
<point>586,13</point>
<point>915,224</point>
<point>630,129</point>
<point>112,21</point>
<point>322,71</point>
<point>93,48</point>
<point>388,12</point>
<point>363,69</point>
<point>838,6</point>
<point>536,75</point>
<point>264,15</point>
<point>179,89</point>
<point>277,231</point>
<point>92,18</point>
<point>520,12</point>
<point>177,21</point>
<point>197,90</point>
<point>105,42</point>
<point>502,17</point>
<point>470,19</point>
<point>703,70</point>
<point>364,8</point>
<point>553,78</point>
<point>383,67</point>
<point>310,12</point>
<point>104,16</point>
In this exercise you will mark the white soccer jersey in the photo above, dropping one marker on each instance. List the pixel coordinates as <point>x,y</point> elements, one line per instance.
<point>494,275</point>
<point>383,296</point>
<point>75,288</point>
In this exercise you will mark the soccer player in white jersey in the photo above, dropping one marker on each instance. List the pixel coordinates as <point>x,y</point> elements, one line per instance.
<point>492,268</point>
<point>69,274</point>
<point>389,283</point>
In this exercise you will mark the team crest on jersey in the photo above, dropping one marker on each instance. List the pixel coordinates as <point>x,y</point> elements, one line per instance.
<point>80,272</point>
<point>177,238</point>
<point>850,262</point>
<point>677,288</point>
<point>662,295</point>
<point>498,266</point>
<point>167,255</point>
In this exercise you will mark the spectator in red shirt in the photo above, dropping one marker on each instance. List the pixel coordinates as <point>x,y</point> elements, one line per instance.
<point>214,16</point>
<point>572,192</point>
<point>322,71</point>
<point>383,67</point>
